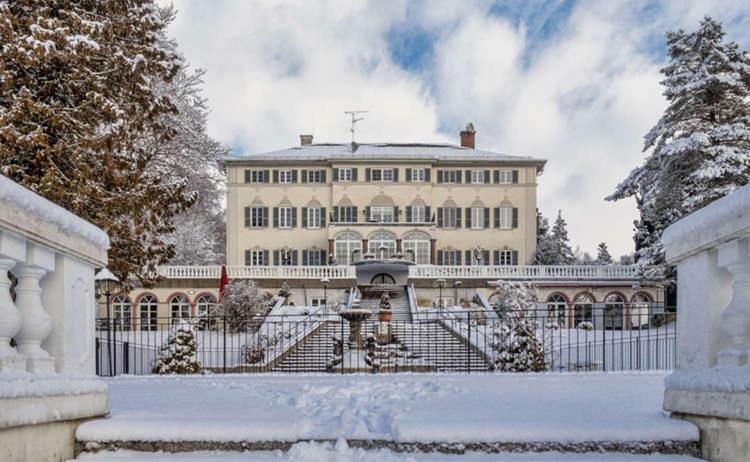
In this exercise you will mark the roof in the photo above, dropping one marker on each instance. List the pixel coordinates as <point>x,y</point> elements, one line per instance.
<point>382,151</point>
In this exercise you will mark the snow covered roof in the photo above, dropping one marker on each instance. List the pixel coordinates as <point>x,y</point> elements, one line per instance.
<point>382,151</point>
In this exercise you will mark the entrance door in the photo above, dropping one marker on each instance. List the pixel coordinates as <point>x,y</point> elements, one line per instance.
<point>383,278</point>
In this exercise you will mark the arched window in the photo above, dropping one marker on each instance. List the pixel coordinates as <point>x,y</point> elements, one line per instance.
<point>148,307</point>
<point>417,247</point>
<point>347,248</point>
<point>382,244</point>
<point>556,308</point>
<point>614,311</point>
<point>639,309</point>
<point>180,307</point>
<point>122,309</point>
<point>583,309</point>
<point>204,303</point>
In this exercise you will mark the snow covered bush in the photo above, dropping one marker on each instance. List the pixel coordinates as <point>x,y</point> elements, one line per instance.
<point>284,290</point>
<point>178,356</point>
<point>242,303</point>
<point>514,337</point>
<point>585,325</point>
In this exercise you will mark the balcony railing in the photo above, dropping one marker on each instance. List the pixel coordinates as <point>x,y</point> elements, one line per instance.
<point>258,272</point>
<point>567,272</point>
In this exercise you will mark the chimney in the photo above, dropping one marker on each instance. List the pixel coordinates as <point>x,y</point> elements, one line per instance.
<point>467,136</point>
<point>305,139</point>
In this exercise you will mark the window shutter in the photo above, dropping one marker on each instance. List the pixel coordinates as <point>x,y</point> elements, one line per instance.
<point>367,213</point>
<point>408,174</point>
<point>395,214</point>
<point>427,216</point>
<point>468,257</point>
<point>247,176</point>
<point>294,176</point>
<point>458,177</point>
<point>467,176</point>
<point>514,257</point>
<point>275,176</point>
<point>335,174</point>
<point>427,174</point>
<point>355,218</point>
<point>265,217</point>
<point>496,210</point>
<point>440,217</point>
<point>335,214</point>
<point>304,217</point>
<point>408,212</point>
<point>457,253</point>
<point>395,175</point>
<point>275,258</point>
<point>322,212</point>
<point>266,176</point>
<point>295,254</point>
<point>322,176</point>
<point>247,216</point>
<point>275,217</point>
<point>485,257</point>
<point>515,176</point>
<point>458,217</point>
<point>468,217</point>
<point>486,176</point>
<point>496,257</point>
<point>440,176</point>
<point>354,174</point>
<point>304,258</point>
<point>294,217</point>
<point>304,176</point>
<point>440,257</point>
<point>515,217</point>
<point>486,217</point>
<point>496,176</point>
<point>247,258</point>
<point>367,174</point>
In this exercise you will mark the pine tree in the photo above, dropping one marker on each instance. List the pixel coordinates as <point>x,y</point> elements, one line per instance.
<point>75,101</point>
<point>178,356</point>
<point>241,303</point>
<point>700,148</point>
<point>514,338</point>
<point>602,255</point>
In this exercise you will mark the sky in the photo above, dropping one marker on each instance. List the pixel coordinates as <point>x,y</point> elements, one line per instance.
<point>573,82</point>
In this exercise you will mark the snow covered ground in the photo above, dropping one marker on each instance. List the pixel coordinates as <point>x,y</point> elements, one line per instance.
<point>551,407</point>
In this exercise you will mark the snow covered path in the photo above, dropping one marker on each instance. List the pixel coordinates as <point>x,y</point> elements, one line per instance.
<point>399,408</point>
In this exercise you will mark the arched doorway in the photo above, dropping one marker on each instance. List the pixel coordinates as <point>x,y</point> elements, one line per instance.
<point>382,278</point>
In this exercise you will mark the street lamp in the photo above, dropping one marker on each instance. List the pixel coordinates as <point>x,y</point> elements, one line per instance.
<point>440,283</point>
<point>325,282</point>
<point>106,284</point>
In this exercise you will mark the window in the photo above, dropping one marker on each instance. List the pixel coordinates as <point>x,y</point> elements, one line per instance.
<point>505,257</point>
<point>639,310</point>
<point>418,214</point>
<point>317,301</point>
<point>347,214</point>
<point>556,307</point>
<point>382,174</point>
<point>504,176</point>
<point>451,176</point>
<point>451,257</point>
<point>285,176</point>
<point>418,175</point>
<point>180,307</point>
<point>122,309</point>
<point>345,174</point>
<point>148,307</point>
<point>255,258</point>
<point>256,218</point>
<point>417,247</point>
<point>313,217</point>
<point>382,214</point>
<point>285,217</point>
<point>204,303</point>
<point>382,244</point>
<point>477,257</point>
<point>477,177</point>
<point>614,311</point>
<point>315,176</point>
<point>256,176</point>
<point>314,258</point>
<point>347,248</point>
<point>477,218</point>
<point>505,217</point>
<point>583,309</point>
<point>450,217</point>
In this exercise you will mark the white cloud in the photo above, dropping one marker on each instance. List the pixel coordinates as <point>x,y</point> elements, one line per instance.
<point>583,100</point>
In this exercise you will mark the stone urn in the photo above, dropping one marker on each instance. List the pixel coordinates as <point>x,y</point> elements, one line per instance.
<point>355,316</point>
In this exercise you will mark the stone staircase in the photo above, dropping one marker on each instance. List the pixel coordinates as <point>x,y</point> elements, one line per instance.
<point>399,301</point>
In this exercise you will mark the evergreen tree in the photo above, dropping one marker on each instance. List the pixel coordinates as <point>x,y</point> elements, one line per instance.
<point>178,356</point>
<point>700,148</point>
<point>602,255</point>
<point>553,247</point>
<point>514,337</point>
<point>241,303</point>
<point>76,97</point>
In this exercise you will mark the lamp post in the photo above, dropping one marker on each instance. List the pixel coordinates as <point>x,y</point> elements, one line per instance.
<point>106,283</point>
<point>325,282</point>
<point>440,283</point>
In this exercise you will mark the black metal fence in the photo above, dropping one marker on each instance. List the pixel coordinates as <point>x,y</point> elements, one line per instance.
<point>550,338</point>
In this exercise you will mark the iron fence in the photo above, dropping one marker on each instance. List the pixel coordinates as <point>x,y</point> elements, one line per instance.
<point>555,338</point>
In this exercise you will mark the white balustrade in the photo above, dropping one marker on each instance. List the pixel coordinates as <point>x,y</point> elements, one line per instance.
<point>36,323</point>
<point>10,321</point>
<point>526,272</point>
<point>258,272</point>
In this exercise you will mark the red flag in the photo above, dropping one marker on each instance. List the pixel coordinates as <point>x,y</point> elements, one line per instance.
<point>224,280</point>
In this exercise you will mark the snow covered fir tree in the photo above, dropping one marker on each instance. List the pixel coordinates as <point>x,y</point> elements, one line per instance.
<point>603,256</point>
<point>179,354</point>
<point>699,150</point>
<point>242,301</point>
<point>553,246</point>
<point>515,341</point>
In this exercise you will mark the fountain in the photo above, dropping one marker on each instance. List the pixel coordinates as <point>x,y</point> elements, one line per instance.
<point>355,316</point>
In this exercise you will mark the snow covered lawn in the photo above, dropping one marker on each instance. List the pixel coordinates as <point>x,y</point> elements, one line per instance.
<point>400,408</point>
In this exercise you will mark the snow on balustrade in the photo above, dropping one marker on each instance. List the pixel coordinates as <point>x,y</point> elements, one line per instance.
<point>258,272</point>
<point>525,272</point>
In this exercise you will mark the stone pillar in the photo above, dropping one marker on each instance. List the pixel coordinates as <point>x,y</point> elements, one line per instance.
<point>364,248</point>
<point>10,321</point>
<point>399,248</point>
<point>735,320</point>
<point>433,251</point>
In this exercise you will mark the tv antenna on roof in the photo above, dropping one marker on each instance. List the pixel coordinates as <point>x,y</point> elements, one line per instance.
<point>355,119</point>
